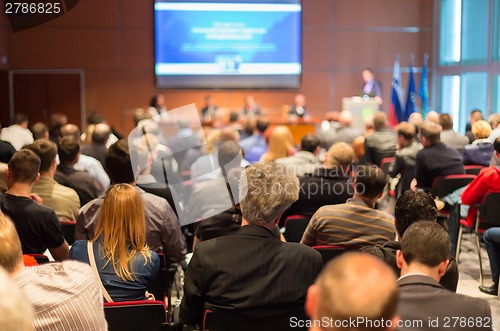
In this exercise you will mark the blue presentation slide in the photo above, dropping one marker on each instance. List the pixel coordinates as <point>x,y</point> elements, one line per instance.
<point>227,38</point>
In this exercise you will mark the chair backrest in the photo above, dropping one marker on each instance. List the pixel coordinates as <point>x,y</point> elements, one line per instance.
<point>385,164</point>
<point>68,229</point>
<point>295,226</point>
<point>231,321</point>
<point>473,169</point>
<point>328,252</point>
<point>40,258</point>
<point>135,315</point>
<point>489,212</point>
<point>443,186</point>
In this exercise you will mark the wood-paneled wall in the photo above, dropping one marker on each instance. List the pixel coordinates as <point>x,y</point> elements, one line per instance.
<point>112,41</point>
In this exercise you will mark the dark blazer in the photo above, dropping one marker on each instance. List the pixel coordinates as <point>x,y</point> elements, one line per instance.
<point>80,181</point>
<point>322,187</point>
<point>381,144</point>
<point>435,161</point>
<point>375,91</point>
<point>250,272</point>
<point>422,298</point>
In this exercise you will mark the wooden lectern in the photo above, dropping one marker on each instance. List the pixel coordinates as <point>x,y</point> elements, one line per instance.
<point>361,109</point>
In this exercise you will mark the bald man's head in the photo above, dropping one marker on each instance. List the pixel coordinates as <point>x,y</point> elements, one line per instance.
<point>101,133</point>
<point>71,130</point>
<point>345,118</point>
<point>354,286</point>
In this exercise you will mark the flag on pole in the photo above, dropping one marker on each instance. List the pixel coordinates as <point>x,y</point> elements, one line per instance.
<point>423,91</point>
<point>396,109</point>
<point>410,100</point>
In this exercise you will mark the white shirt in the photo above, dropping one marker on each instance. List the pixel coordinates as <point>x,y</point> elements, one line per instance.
<point>17,136</point>
<point>95,170</point>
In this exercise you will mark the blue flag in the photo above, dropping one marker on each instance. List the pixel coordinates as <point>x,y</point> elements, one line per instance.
<point>423,91</point>
<point>410,100</point>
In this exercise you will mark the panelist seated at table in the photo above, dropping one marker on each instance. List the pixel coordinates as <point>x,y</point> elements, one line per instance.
<point>299,108</point>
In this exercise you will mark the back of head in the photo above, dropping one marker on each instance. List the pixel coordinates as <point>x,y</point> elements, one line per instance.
<point>142,151</point>
<point>476,115</point>
<point>406,130</point>
<point>356,285</point>
<point>380,121</point>
<point>117,163</point>
<point>280,143</point>
<point>340,155</point>
<point>416,119</point>
<point>101,133</point>
<point>39,130</point>
<point>229,134</point>
<point>370,181</point>
<point>267,189</point>
<point>56,121</point>
<point>494,120</point>
<point>19,118</point>
<point>446,121</point>
<point>234,117</point>
<point>261,125</point>
<point>345,118</point>
<point>431,132</point>
<point>11,254</point>
<point>46,151</point>
<point>71,130</point>
<point>496,145</point>
<point>16,312</point>
<point>230,154</point>
<point>309,143</point>
<point>95,118</point>
<point>24,166</point>
<point>121,223</point>
<point>433,117</point>
<point>426,243</point>
<point>412,207</point>
<point>68,150</point>
<point>481,129</point>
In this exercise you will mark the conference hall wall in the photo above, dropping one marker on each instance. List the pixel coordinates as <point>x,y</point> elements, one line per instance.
<point>112,42</point>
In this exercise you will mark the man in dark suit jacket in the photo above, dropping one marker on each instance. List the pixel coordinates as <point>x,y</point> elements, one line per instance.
<point>423,259</point>
<point>371,87</point>
<point>252,273</point>
<point>436,159</point>
<point>382,143</point>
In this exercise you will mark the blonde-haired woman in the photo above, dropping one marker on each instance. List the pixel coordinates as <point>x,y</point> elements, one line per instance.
<point>123,261</point>
<point>280,144</point>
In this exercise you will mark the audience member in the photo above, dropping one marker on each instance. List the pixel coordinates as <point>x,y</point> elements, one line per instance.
<point>6,151</point>
<point>356,222</point>
<point>450,137</point>
<point>423,258</point>
<point>92,120</point>
<point>38,226</point>
<point>157,105</point>
<point>495,159</point>
<point>266,285</point>
<point>417,120</point>
<point>208,112</point>
<point>432,117</point>
<point>492,243</point>
<point>305,160</point>
<point>412,207</point>
<point>55,123</point>
<point>405,157</point>
<point>85,162</point>
<point>66,174</point>
<point>17,134</point>
<point>256,145</point>
<point>126,266</point>
<point>435,159</point>
<point>280,144</point>
<point>494,120</point>
<point>481,150</point>
<point>327,185</point>
<point>353,287</point>
<point>346,132</point>
<point>162,226</point>
<point>65,296</point>
<point>475,115</point>
<point>181,142</point>
<point>251,108</point>
<point>382,143</point>
<point>63,200</point>
<point>142,155</point>
<point>40,131</point>
<point>299,108</point>
<point>16,312</point>
<point>97,148</point>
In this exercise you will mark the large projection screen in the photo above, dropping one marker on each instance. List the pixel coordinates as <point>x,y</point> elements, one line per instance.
<point>228,44</point>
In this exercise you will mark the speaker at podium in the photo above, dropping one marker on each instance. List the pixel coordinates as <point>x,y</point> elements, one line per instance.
<point>361,108</point>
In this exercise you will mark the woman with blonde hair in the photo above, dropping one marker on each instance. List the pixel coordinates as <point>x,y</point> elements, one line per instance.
<point>118,252</point>
<point>280,144</point>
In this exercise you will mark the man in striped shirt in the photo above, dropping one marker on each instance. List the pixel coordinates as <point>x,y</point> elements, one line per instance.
<point>65,296</point>
<point>355,222</point>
